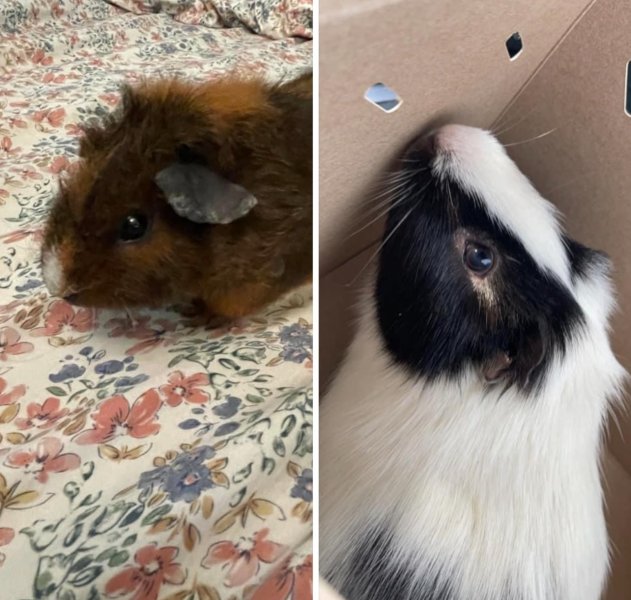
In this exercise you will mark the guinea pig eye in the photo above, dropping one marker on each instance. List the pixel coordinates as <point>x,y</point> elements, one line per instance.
<point>478,258</point>
<point>134,227</point>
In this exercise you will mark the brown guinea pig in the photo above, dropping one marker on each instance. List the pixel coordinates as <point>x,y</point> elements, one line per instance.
<point>191,193</point>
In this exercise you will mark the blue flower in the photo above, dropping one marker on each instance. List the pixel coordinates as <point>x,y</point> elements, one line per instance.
<point>70,371</point>
<point>226,428</point>
<point>228,408</point>
<point>109,367</point>
<point>296,355</point>
<point>296,335</point>
<point>304,486</point>
<point>184,479</point>
<point>29,285</point>
<point>130,381</point>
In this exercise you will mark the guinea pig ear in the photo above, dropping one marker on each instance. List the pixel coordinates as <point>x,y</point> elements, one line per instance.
<point>197,193</point>
<point>518,364</point>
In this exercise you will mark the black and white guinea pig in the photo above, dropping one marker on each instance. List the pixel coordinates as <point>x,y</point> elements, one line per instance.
<point>460,442</point>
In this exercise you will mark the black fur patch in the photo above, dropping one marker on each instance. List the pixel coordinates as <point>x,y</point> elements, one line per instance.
<point>582,258</point>
<point>373,576</point>
<point>431,318</point>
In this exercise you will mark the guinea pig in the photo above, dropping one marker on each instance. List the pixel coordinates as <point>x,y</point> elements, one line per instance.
<point>191,194</point>
<point>461,438</point>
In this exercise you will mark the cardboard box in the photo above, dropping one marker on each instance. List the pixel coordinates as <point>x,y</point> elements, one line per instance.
<point>448,61</point>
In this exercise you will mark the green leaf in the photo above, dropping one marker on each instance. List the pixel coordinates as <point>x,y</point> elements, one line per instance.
<point>130,540</point>
<point>289,422</point>
<point>268,465</point>
<point>279,446</point>
<point>304,443</point>
<point>132,515</point>
<point>105,383</point>
<point>86,513</point>
<point>81,564</point>
<point>108,518</point>
<point>248,372</point>
<point>229,364</point>
<point>73,535</point>
<point>71,490</point>
<point>55,390</point>
<point>175,361</point>
<point>242,474</point>
<point>87,576</point>
<point>93,595</point>
<point>119,558</point>
<point>44,584</point>
<point>106,555</point>
<point>90,499</point>
<point>254,399</point>
<point>156,514</point>
<point>87,469</point>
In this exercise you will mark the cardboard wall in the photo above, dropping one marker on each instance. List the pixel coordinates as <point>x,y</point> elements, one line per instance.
<point>448,62</point>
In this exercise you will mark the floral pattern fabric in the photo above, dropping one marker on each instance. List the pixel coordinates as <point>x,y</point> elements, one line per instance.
<point>141,458</point>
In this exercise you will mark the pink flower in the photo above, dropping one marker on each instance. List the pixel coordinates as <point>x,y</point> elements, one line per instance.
<point>288,583</point>
<point>6,145</point>
<point>10,397</point>
<point>73,129</point>
<point>182,388</point>
<point>29,173</point>
<point>50,77</point>
<point>115,418</point>
<point>60,315</point>
<point>39,58</point>
<point>15,122</point>
<point>57,9</point>
<point>45,459</point>
<point>159,337</point>
<point>43,416</point>
<point>21,234</point>
<point>6,535</point>
<point>110,98</point>
<point>154,567</point>
<point>10,344</point>
<point>59,165</point>
<point>243,561</point>
<point>55,117</point>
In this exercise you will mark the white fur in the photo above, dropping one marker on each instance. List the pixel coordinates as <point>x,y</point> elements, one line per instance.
<point>479,163</point>
<point>486,490</point>
<point>495,489</point>
<point>52,272</point>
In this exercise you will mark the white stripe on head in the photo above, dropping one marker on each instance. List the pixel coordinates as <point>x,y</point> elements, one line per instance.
<point>476,161</point>
<point>52,271</point>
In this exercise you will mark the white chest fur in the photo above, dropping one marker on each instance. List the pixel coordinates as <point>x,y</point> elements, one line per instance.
<point>497,494</point>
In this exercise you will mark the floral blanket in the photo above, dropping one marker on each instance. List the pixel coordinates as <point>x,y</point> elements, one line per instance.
<point>141,458</point>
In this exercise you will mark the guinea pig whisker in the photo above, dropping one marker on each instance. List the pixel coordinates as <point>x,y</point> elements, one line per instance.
<point>537,137</point>
<point>389,206</point>
<point>380,215</point>
<point>391,190</point>
<point>566,183</point>
<point>380,248</point>
<point>506,127</point>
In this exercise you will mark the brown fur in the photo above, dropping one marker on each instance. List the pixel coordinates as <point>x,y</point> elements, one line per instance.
<point>252,133</point>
